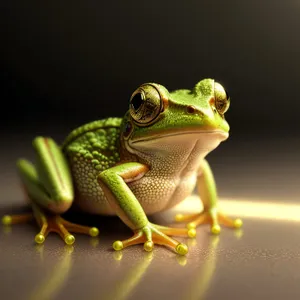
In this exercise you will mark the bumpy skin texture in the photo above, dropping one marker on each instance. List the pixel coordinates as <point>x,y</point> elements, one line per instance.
<point>146,162</point>
<point>91,149</point>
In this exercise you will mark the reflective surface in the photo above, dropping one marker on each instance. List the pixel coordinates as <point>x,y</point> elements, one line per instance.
<point>260,261</point>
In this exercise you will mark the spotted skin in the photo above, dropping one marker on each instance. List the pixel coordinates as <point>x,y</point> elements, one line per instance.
<point>90,150</point>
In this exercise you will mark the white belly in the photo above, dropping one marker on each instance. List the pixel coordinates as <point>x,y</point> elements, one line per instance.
<point>154,193</point>
<point>158,194</point>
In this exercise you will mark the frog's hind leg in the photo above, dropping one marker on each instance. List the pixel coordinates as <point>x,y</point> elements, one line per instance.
<point>210,214</point>
<point>50,191</point>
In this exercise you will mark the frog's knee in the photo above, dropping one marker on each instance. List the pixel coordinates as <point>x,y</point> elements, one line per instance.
<point>59,207</point>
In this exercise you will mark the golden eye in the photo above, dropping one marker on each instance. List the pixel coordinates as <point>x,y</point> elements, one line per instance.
<point>145,104</point>
<point>222,100</point>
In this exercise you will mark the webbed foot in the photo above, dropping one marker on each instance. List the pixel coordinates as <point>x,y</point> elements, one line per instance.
<point>212,217</point>
<point>50,223</point>
<point>154,234</point>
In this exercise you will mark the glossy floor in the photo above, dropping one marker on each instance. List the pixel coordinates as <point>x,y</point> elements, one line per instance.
<point>260,261</point>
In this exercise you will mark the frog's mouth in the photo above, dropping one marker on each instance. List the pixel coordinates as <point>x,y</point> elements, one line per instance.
<point>216,134</point>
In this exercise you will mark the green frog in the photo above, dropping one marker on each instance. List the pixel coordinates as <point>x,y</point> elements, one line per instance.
<point>144,163</point>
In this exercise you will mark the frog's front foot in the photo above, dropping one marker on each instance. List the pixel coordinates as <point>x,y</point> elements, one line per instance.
<point>51,223</point>
<point>209,216</point>
<point>154,234</point>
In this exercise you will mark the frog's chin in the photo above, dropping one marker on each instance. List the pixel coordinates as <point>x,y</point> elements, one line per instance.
<point>206,141</point>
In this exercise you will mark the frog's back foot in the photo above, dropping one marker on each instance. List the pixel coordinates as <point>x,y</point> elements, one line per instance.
<point>50,223</point>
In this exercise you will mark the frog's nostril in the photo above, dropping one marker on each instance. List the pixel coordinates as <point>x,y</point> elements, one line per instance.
<point>191,109</point>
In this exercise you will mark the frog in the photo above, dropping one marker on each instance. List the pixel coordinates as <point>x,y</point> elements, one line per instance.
<point>133,167</point>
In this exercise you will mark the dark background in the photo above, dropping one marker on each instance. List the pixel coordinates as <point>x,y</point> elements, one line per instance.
<point>69,62</point>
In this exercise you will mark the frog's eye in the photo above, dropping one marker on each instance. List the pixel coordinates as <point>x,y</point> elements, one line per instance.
<point>145,104</point>
<point>222,100</point>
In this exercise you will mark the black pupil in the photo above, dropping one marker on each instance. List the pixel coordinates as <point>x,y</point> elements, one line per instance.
<point>137,101</point>
<point>227,95</point>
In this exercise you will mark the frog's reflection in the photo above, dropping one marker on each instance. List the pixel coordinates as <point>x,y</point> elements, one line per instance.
<point>239,233</point>
<point>182,259</point>
<point>131,280</point>
<point>39,248</point>
<point>199,286</point>
<point>196,288</point>
<point>6,230</point>
<point>54,282</point>
<point>94,241</point>
<point>118,255</point>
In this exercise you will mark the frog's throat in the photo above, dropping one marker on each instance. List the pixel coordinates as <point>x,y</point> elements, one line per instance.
<point>219,135</point>
<point>176,149</point>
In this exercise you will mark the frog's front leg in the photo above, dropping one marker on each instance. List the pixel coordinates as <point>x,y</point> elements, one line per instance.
<point>208,193</point>
<point>49,188</point>
<point>114,181</point>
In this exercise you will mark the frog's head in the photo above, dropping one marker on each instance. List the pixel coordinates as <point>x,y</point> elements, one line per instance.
<point>158,118</point>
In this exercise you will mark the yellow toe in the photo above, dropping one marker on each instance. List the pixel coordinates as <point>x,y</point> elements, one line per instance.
<point>148,246</point>
<point>118,245</point>
<point>182,249</point>
<point>216,229</point>
<point>69,239</point>
<point>192,232</point>
<point>191,225</point>
<point>6,220</point>
<point>238,223</point>
<point>94,231</point>
<point>39,238</point>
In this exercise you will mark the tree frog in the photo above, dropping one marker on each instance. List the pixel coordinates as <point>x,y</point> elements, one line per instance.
<point>146,162</point>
